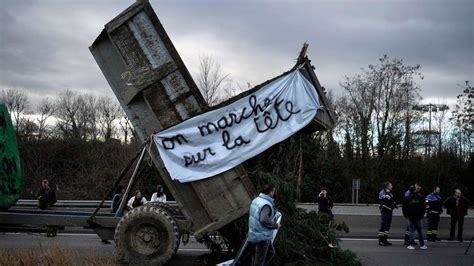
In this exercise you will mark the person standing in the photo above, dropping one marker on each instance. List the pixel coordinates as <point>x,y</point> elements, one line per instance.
<point>46,195</point>
<point>262,225</point>
<point>406,195</point>
<point>137,200</point>
<point>386,205</point>
<point>159,195</point>
<point>325,203</point>
<point>117,198</point>
<point>456,206</point>
<point>414,209</point>
<point>434,208</point>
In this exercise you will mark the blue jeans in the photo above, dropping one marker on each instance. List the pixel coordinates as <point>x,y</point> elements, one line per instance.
<point>419,227</point>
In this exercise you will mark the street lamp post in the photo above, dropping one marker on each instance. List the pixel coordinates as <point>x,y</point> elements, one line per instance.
<point>430,108</point>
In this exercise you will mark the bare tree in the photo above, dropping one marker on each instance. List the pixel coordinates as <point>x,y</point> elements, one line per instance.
<point>348,127</point>
<point>67,111</point>
<point>27,128</point>
<point>361,100</point>
<point>411,97</point>
<point>463,117</point>
<point>77,115</point>
<point>232,89</point>
<point>394,87</point>
<point>212,81</point>
<point>88,114</point>
<point>45,110</point>
<point>108,113</point>
<point>16,102</point>
<point>125,126</point>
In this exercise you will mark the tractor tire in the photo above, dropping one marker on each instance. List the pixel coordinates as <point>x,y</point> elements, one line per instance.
<point>147,235</point>
<point>165,206</point>
<point>172,211</point>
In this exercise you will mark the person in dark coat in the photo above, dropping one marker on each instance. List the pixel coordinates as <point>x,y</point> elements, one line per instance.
<point>325,203</point>
<point>406,195</point>
<point>457,206</point>
<point>46,195</point>
<point>434,208</point>
<point>414,209</point>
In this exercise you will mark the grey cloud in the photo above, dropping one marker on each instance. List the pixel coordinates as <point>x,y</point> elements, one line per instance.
<point>348,36</point>
<point>43,44</point>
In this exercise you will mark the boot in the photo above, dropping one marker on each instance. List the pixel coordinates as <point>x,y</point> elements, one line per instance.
<point>386,241</point>
<point>382,241</point>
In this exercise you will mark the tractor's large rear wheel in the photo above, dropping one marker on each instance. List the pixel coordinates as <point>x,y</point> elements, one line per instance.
<point>146,235</point>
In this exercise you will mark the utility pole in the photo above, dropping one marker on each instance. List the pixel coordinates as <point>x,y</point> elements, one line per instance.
<point>429,108</point>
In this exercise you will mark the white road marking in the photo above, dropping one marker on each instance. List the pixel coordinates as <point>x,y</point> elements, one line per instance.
<point>392,239</point>
<point>194,250</point>
<point>367,239</point>
<point>73,234</point>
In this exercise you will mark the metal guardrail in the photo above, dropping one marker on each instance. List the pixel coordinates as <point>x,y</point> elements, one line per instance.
<point>26,203</point>
<point>106,204</point>
<point>64,203</point>
<point>94,203</point>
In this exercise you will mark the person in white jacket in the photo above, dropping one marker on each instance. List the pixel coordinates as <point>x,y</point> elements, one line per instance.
<point>137,200</point>
<point>159,195</point>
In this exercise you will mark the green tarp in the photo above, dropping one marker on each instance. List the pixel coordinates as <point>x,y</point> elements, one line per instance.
<point>10,170</point>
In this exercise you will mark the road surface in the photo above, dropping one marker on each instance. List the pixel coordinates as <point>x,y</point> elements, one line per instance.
<point>439,253</point>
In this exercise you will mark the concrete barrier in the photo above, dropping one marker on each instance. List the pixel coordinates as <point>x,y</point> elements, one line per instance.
<point>364,221</point>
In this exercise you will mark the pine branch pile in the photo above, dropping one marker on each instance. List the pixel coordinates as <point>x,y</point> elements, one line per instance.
<point>305,238</point>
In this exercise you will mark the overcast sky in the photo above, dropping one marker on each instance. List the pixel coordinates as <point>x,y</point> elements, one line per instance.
<point>44,44</point>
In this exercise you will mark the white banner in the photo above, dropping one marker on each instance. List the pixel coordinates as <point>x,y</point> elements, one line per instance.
<point>216,141</point>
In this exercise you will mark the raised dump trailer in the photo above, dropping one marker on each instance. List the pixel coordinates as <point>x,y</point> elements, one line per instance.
<point>156,91</point>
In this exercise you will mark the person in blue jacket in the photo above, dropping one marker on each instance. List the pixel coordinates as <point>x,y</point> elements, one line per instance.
<point>262,225</point>
<point>434,208</point>
<point>386,205</point>
<point>117,198</point>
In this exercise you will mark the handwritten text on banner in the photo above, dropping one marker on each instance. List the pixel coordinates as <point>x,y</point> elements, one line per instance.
<point>216,141</point>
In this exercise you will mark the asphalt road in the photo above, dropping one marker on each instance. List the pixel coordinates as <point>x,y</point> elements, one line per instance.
<point>439,253</point>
